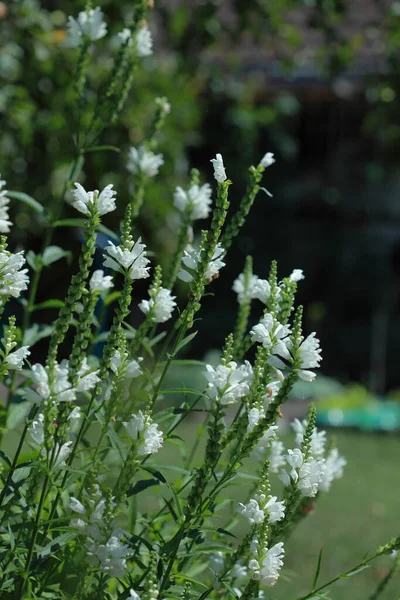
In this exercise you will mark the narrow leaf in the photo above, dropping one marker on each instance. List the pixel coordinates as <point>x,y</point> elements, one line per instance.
<point>142,485</point>
<point>102,149</point>
<point>186,341</point>
<point>317,569</point>
<point>28,200</point>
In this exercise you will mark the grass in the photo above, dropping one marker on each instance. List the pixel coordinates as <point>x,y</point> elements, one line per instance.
<point>360,513</point>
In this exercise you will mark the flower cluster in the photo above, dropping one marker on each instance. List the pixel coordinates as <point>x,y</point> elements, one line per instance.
<point>141,430</point>
<point>131,259</point>
<point>191,259</point>
<point>229,383</point>
<point>196,201</point>
<point>159,307</point>
<point>5,224</point>
<point>88,26</point>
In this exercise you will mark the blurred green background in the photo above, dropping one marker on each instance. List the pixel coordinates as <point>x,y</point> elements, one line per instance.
<point>317,83</point>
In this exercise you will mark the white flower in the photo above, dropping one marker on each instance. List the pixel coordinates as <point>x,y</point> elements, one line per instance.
<point>256,288</point>
<point>334,464</point>
<point>76,506</point>
<point>267,160</point>
<point>307,474</point>
<point>89,25</point>
<point>100,282</point>
<point>219,169</point>
<point>264,442</point>
<point>217,562</point>
<point>125,35</point>
<point>318,438</point>
<point>145,162</point>
<point>272,564</point>
<point>133,594</point>
<point>111,556</point>
<point>4,202</point>
<point>251,511</point>
<point>310,353</point>
<point>83,200</point>
<point>297,275</point>
<point>36,429</point>
<point>15,360</point>
<point>132,368</point>
<point>239,571</point>
<point>13,281</point>
<point>161,306</point>
<point>151,439</point>
<point>276,457</point>
<point>191,261</point>
<point>196,201</point>
<point>272,335</point>
<point>228,383</point>
<point>254,415</point>
<point>62,388</point>
<point>87,379</point>
<point>133,259</point>
<point>144,42</point>
<point>62,452</point>
<point>276,509</point>
<point>273,387</point>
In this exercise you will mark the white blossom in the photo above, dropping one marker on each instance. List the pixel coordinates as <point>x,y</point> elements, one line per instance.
<point>264,443</point>
<point>132,368</point>
<point>196,201</point>
<point>125,35</point>
<point>219,169</point>
<point>306,473</point>
<point>160,307</point>
<point>272,335</point>
<point>15,360</point>
<point>100,282</point>
<point>140,428</point>
<point>133,594</point>
<point>62,388</point>
<point>87,379</point>
<point>228,383</point>
<point>83,200</point>
<point>334,464</point>
<point>89,25</point>
<point>273,387</point>
<point>318,438</point>
<point>255,415</point>
<point>256,289</point>
<point>251,511</point>
<point>239,571</point>
<point>4,202</point>
<point>217,562</point>
<point>310,354</point>
<point>296,275</point>
<point>271,565</point>
<point>275,509</point>
<point>110,556</point>
<point>144,42</point>
<point>76,506</point>
<point>143,161</point>
<point>13,280</point>
<point>276,457</point>
<point>62,452</point>
<point>267,160</point>
<point>133,259</point>
<point>36,430</point>
<point>192,258</point>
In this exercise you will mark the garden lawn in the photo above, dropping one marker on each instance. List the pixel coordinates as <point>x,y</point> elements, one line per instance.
<point>361,512</point>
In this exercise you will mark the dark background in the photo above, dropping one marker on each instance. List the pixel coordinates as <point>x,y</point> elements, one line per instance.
<point>316,82</point>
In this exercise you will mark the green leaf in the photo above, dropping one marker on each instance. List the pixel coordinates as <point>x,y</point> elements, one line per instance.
<point>225,532</point>
<point>53,303</point>
<point>314,585</point>
<point>101,149</point>
<point>82,224</point>
<point>33,260</point>
<point>36,333</point>
<point>116,443</point>
<point>186,341</point>
<point>188,362</point>
<point>56,544</point>
<point>183,391</point>
<point>111,298</point>
<point>155,472</point>
<point>52,254</point>
<point>354,571</point>
<point>28,200</point>
<point>5,458</point>
<point>141,485</point>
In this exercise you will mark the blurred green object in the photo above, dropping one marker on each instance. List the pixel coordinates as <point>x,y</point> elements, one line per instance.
<point>356,407</point>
